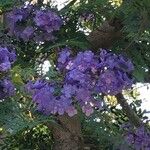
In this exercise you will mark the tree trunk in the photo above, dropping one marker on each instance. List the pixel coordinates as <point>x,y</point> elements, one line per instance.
<point>106,35</point>
<point>132,116</point>
<point>68,136</point>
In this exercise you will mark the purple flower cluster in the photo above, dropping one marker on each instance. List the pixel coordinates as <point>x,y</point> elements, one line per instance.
<point>7,57</point>
<point>6,89</point>
<point>139,139</point>
<point>47,20</point>
<point>115,73</point>
<point>49,101</point>
<point>85,76</point>
<point>30,22</point>
<point>106,73</point>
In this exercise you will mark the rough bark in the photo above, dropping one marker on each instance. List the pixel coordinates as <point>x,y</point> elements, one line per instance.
<point>68,136</point>
<point>106,35</point>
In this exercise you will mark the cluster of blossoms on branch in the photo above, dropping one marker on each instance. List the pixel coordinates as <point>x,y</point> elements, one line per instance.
<point>7,57</point>
<point>139,138</point>
<point>30,22</point>
<point>85,76</point>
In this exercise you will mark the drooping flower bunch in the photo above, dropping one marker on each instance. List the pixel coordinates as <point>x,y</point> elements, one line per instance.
<point>31,22</point>
<point>7,57</point>
<point>139,139</point>
<point>85,76</point>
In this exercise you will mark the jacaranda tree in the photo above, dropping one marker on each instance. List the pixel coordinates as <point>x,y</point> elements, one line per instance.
<point>97,50</point>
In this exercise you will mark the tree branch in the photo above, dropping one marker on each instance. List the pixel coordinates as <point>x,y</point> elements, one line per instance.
<point>133,118</point>
<point>67,134</point>
<point>107,34</point>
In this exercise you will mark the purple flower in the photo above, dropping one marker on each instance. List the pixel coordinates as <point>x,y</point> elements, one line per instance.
<point>44,99</point>
<point>71,111</point>
<point>27,33</point>
<point>112,82</point>
<point>107,60</point>
<point>7,89</point>
<point>83,61</point>
<point>6,58</point>
<point>124,64</point>
<point>87,109</point>
<point>83,95</point>
<point>47,20</point>
<point>38,84</point>
<point>76,75</point>
<point>15,17</point>
<point>68,90</point>
<point>112,61</point>
<point>64,56</point>
<point>64,103</point>
<point>43,94</point>
<point>31,23</point>
<point>114,73</point>
<point>138,138</point>
<point>12,55</point>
